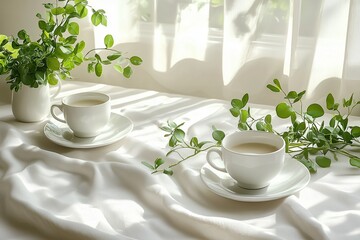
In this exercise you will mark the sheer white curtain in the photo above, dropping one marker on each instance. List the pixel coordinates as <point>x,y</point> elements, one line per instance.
<point>224,48</point>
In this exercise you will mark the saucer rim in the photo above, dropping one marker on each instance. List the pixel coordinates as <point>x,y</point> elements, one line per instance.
<point>294,188</point>
<point>104,142</point>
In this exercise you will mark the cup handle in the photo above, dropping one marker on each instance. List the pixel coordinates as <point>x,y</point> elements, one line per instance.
<point>210,159</point>
<point>60,107</point>
<point>57,90</point>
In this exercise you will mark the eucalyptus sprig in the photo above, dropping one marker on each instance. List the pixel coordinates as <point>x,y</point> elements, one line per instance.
<point>308,138</point>
<point>182,147</point>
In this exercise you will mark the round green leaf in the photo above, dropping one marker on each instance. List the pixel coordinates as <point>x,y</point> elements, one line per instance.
<point>57,11</point>
<point>53,79</point>
<point>218,135</point>
<point>355,162</point>
<point>292,95</point>
<point>283,110</point>
<point>179,135</point>
<point>323,161</point>
<point>69,9</point>
<point>22,34</point>
<point>82,10</point>
<point>355,131</point>
<point>237,103</point>
<point>42,25</point>
<point>96,18</point>
<point>235,112</point>
<point>267,119</point>
<point>109,41</point>
<point>315,110</point>
<point>135,60</point>
<point>53,63</point>
<point>73,28</point>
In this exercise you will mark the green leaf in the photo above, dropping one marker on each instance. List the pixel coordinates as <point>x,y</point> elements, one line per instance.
<point>173,124</point>
<point>118,68</point>
<point>80,46</point>
<point>172,141</point>
<point>235,112</point>
<point>347,137</point>
<point>260,126</point>
<point>244,115</point>
<point>108,41</point>
<point>292,95</point>
<point>73,28</point>
<point>135,60</point>
<point>194,141</point>
<point>330,101</point>
<point>113,56</point>
<point>41,77</point>
<point>58,11</point>
<point>53,63</point>
<point>242,126</point>
<point>309,164</point>
<point>301,126</point>
<point>53,79</point>
<point>168,172</point>
<point>91,68</point>
<point>277,83</point>
<point>96,18</point>
<point>283,110</point>
<point>42,25</point>
<point>355,131</point>
<point>127,72</point>
<point>98,69</point>
<point>218,135</point>
<point>179,135</point>
<point>22,34</point>
<point>323,161</point>
<point>82,10</point>
<point>237,103</point>
<point>268,119</point>
<point>354,161</point>
<point>349,102</point>
<point>273,88</point>
<point>245,99</point>
<point>158,162</point>
<point>69,9</point>
<point>315,110</point>
<point>148,165</point>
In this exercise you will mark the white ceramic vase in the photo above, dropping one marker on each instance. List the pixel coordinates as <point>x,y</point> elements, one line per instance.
<point>32,104</point>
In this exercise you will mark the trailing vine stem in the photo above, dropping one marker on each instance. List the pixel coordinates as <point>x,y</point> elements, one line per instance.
<point>308,139</point>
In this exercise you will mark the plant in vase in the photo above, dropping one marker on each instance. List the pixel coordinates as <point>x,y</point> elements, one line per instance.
<point>34,65</point>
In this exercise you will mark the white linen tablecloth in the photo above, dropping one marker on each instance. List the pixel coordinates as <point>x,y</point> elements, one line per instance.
<point>53,192</point>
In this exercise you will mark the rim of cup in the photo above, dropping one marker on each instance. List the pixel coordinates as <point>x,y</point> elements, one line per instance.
<point>280,142</point>
<point>78,96</point>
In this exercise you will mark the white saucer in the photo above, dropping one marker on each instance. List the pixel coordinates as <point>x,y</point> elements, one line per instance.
<point>117,128</point>
<point>293,177</point>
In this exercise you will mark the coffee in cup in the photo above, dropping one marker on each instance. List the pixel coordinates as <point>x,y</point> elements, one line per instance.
<point>85,113</point>
<point>252,158</point>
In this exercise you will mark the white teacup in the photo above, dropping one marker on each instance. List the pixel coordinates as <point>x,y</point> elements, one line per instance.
<point>252,158</point>
<point>85,113</point>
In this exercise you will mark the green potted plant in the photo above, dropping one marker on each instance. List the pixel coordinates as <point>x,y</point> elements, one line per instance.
<point>32,66</point>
